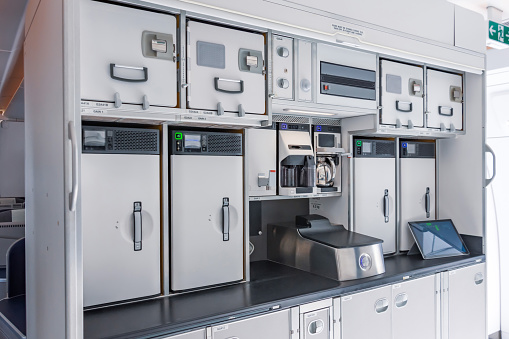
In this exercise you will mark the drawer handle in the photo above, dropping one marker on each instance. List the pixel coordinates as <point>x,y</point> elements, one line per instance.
<point>137,225</point>
<point>445,110</point>
<point>479,278</point>
<point>381,305</point>
<point>240,90</point>
<point>407,103</point>
<point>316,327</point>
<point>143,69</point>
<point>401,300</point>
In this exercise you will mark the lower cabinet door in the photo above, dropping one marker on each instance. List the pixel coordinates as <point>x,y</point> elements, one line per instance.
<point>315,324</point>
<point>367,315</point>
<point>413,310</point>
<point>467,302</point>
<point>270,326</point>
<point>199,334</point>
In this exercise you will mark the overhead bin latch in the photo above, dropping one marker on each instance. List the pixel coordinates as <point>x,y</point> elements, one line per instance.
<point>456,93</point>
<point>157,45</point>
<point>415,87</point>
<point>250,61</point>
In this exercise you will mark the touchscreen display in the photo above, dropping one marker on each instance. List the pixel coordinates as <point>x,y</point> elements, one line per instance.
<point>437,238</point>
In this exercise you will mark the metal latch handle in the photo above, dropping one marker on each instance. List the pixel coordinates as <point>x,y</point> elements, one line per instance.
<point>386,205</point>
<point>113,76</point>
<point>427,202</point>
<point>226,219</point>
<point>137,225</point>
<point>445,110</point>
<point>409,104</point>
<point>216,85</point>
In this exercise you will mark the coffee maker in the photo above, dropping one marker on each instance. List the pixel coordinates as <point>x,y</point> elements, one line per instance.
<point>328,151</point>
<point>296,159</point>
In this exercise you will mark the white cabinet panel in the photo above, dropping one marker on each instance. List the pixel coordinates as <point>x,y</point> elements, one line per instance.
<point>305,71</point>
<point>225,66</point>
<point>467,302</point>
<point>401,94</point>
<point>270,326</point>
<point>367,314</point>
<point>282,67</point>
<point>261,160</point>
<point>118,55</point>
<point>199,334</point>
<point>413,311</point>
<point>445,99</point>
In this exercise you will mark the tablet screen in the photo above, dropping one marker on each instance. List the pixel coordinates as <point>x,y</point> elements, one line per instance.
<point>437,239</point>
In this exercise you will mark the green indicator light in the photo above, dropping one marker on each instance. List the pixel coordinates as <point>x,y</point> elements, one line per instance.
<point>438,229</point>
<point>428,224</point>
<point>359,143</point>
<point>178,136</point>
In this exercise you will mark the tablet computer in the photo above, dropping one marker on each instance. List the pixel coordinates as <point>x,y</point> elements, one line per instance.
<point>437,238</point>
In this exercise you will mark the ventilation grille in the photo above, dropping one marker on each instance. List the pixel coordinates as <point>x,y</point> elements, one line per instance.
<point>290,119</point>
<point>343,81</point>
<point>139,141</point>
<point>385,148</point>
<point>326,121</point>
<point>426,150</point>
<point>224,143</point>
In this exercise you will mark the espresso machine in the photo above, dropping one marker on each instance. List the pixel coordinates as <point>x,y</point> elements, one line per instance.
<point>328,151</point>
<point>297,167</point>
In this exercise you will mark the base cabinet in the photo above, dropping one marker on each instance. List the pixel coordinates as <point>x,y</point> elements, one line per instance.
<point>466,303</point>
<point>270,326</point>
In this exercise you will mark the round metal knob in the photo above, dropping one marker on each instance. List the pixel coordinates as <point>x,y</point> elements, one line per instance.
<point>283,52</point>
<point>305,85</point>
<point>283,83</point>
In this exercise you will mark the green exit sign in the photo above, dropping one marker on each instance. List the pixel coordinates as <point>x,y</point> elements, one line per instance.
<point>498,32</point>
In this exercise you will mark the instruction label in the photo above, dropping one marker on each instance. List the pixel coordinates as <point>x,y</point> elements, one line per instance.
<point>348,30</point>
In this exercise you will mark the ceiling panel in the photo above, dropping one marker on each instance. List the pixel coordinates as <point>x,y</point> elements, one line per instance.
<point>16,109</point>
<point>11,13</point>
<point>480,6</point>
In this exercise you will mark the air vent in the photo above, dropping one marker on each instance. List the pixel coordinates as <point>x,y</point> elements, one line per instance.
<point>384,148</point>
<point>224,143</point>
<point>135,140</point>
<point>326,121</point>
<point>291,119</point>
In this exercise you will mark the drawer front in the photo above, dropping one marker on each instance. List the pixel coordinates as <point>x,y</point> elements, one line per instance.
<point>226,67</point>
<point>445,99</point>
<point>270,326</point>
<point>401,94</point>
<point>118,55</point>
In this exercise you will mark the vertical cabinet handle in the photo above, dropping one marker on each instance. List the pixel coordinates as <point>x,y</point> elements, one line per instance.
<point>226,219</point>
<point>381,305</point>
<point>137,225</point>
<point>73,195</point>
<point>386,205</point>
<point>490,150</point>
<point>427,202</point>
<point>401,300</point>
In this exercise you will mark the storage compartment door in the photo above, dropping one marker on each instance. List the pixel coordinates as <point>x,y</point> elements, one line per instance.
<point>225,66</point>
<point>467,302</point>
<point>282,67</point>
<point>445,99</point>
<point>270,326</point>
<point>129,52</point>
<point>402,89</point>
<point>367,315</point>
<point>113,269</point>
<point>374,199</point>
<point>261,160</point>
<point>206,236</point>
<point>413,311</point>
<point>316,324</point>
<point>417,195</point>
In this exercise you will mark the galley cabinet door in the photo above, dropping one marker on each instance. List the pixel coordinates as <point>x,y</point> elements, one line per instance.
<point>200,253</point>
<point>316,324</point>
<point>445,99</point>
<point>282,67</point>
<point>367,314</point>
<point>226,67</point>
<point>113,270</point>
<point>198,334</point>
<point>401,96</point>
<point>305,70</point>
<point>261,160</point>
<point>413,311</point>
<point>127,51</point>
<point>467,302</point>
<point>417,195</point>
<point>270,326</point>
<point>374,199</point>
